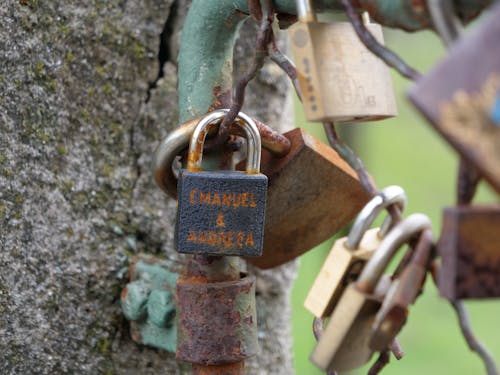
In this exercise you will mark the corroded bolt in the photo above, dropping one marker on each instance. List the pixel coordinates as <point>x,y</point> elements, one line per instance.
<point>161,308</point>
<point>148,303</point>
<point>134,298</point>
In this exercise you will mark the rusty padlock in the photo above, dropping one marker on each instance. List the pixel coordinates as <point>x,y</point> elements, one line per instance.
<point>299,214</point>
<point>312,194</point>
<point>345,343</point>
<point>402,292</point>
<point>459,95</point>
<point>349,254</point>
<point>340,79</point>
<point>221,212</point>
<point>469,247</point>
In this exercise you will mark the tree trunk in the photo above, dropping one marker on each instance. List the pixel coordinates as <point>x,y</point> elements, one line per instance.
<point>86,94</point>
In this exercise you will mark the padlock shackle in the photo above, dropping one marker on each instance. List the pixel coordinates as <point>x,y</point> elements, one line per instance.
<point>386,197</point>
<point>445,20</point>
<point>305,11</point>
<point>212,119</point>
<point>178,140</point>
<point>399,235</point>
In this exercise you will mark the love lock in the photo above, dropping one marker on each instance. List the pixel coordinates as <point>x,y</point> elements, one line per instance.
<point>345,343</point>
<point>349,254</point>
<point>221,212</point>
<point>340,79</point>
<point>299,214</point>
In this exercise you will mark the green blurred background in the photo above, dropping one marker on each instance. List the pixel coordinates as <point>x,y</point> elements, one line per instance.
<point>406,151</point>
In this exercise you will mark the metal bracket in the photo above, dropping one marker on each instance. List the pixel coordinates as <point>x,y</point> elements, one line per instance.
<point>148,303</point>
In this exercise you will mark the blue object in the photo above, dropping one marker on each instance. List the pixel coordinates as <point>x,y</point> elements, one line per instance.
<point>495,111</point>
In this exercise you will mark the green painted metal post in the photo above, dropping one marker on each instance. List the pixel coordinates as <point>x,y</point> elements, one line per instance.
<point>211,27</point>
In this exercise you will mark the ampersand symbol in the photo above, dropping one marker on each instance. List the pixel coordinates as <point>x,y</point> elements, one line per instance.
<point>220,220</point>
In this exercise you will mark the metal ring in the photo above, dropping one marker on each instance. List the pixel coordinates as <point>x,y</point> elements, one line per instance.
<point>386,197</point>
<point>305,11</point>
<point>176,141</point>
<point>399,235</point>
<point>210,120</point>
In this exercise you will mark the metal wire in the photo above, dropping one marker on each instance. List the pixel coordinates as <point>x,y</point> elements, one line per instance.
<point>385,54</point>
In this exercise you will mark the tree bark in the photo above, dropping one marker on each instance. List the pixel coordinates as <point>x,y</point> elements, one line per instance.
<point>87,91</point>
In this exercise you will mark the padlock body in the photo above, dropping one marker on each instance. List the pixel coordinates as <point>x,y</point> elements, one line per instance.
<point>221,213</point>
<point>459,97</point>
<point>469,247</point>
<point>340,79</point>
<point>313,193</point>
<point>341,266</point>
<point>344,343</point>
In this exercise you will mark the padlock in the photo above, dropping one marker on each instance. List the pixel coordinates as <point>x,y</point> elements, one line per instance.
<point>313,193</point>
<point>221,212</point>
<point>345,342</point>
<point>340,79</point>
<point>459,95</point>
<point>299,214</point>
<point>349,254</point>
<point>402,292</point>
<point>469,247</point>
<point>177,141</point>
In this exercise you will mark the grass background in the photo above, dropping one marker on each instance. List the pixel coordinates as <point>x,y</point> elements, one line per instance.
<point>406,151</point>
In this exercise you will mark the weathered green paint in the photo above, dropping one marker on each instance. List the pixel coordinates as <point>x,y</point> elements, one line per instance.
<point>211,27</point>
<point>148,302</point>
<point>206,54</point>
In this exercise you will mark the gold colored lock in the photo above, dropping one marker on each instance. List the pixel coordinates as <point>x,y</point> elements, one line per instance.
<point>340,79</point>
<point>349,254</point>
<point>344,344</point>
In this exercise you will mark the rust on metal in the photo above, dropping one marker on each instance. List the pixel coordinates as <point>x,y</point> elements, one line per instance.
<point>211,268</point>
<point>217,321</point>
<point>467,182</point>
<point>237,368</point>
<point>274,142</point>
<point>301,210</point>
<point>195,156</point>
<point>404,291</point>
<point>222,99</point>
<point>469,252</point>
<point>255,9</point>
<point>177,142</point>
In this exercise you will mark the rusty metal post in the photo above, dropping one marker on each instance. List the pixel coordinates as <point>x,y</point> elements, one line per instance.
<point>216,316</point>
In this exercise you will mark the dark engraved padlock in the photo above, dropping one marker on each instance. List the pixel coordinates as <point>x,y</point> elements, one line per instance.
<point>340,79</point>
<point>345,342</point>
<point>469,247</point>
<point>459,97</point>
<point>313,193</point>
<point>221,212</point>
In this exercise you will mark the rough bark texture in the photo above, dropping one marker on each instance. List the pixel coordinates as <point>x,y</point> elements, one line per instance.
<point>79,121</point>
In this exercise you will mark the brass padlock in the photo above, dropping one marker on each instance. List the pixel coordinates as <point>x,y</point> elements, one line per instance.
<point>402,292</point>
<point>340,79</point>
<point>349,254</point>
<point>469,247</point>
<point>345,343</point>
